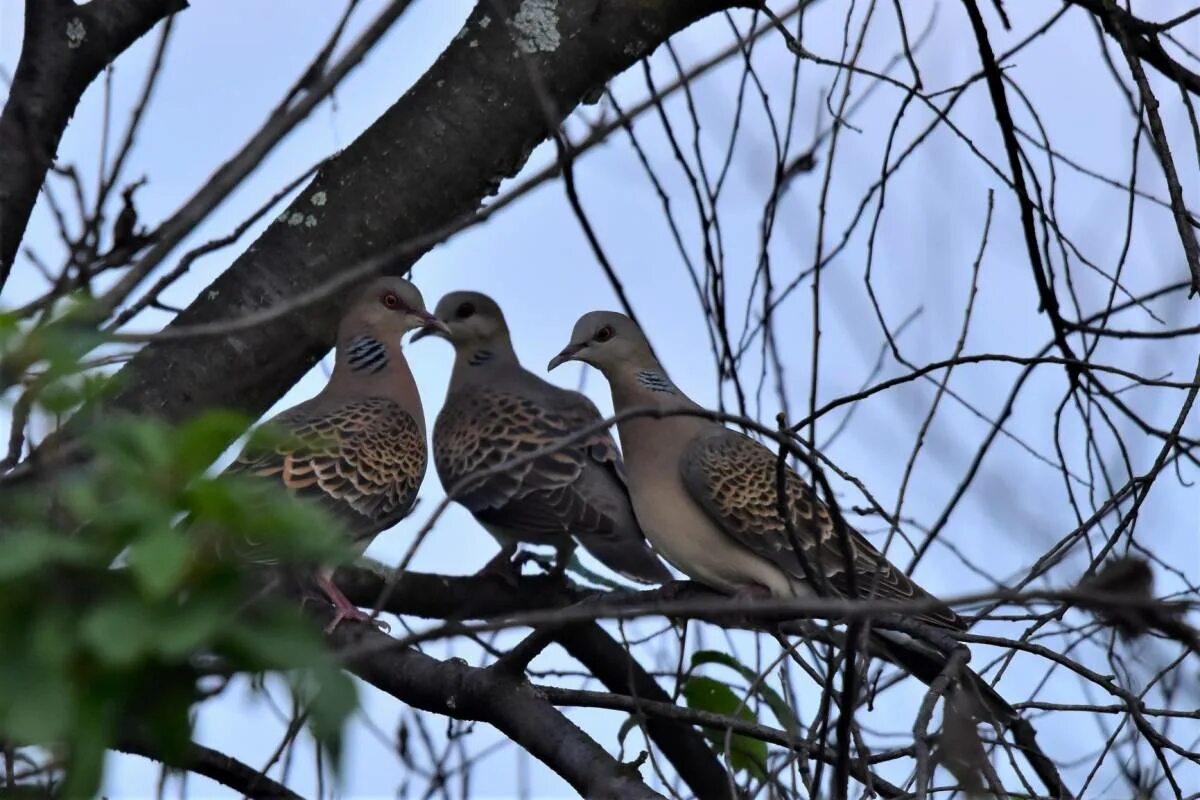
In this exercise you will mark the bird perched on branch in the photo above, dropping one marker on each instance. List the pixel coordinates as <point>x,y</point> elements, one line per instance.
<point>707,496</point>
<point>358,447</point>
<point>124,233</point>
<point>496,411</point>
<point>709,499</point>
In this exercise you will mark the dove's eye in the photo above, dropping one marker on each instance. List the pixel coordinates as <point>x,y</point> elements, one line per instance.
<point>391,300</point>
<point>465,310</point>
<point>604,334</point>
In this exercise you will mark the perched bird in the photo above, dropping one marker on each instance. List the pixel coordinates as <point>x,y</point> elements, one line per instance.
<point>358,447</point>
<point>495,411</point>
<point>707,498</point>
<point>123,227</point>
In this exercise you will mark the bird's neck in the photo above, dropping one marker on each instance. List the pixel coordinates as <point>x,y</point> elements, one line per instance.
<point>646,386</point>
<point>365,364</point>
<point>638,385</point>
<point>478,359</point>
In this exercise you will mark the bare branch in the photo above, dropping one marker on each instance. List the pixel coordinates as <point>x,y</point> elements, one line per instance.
<point>65,48</point>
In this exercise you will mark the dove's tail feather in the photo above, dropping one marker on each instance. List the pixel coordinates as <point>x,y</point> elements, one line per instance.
<point>628,555</point>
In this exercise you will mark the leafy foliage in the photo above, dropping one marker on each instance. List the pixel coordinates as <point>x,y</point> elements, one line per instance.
<point>118,594</point>
<point>709,694</point>
<point>744,752</point>
<point>779,707</point>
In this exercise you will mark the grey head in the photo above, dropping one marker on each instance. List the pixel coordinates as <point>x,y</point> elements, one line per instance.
<point>474,324</point>
<point>386,308</point>
<point>609,341</point>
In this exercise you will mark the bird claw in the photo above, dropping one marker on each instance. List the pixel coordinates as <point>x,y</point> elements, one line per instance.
<point>344,609</point>
<point>357,615</point>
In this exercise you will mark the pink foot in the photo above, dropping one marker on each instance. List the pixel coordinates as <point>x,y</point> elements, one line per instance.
<point>344,608</point>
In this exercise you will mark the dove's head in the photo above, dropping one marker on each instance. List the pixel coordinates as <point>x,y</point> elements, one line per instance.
<point>469,320</point>
<point>609,342</point>
<point>388,307</point>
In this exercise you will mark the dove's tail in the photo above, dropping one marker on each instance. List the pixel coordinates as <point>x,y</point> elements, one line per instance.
<point>627,554</point>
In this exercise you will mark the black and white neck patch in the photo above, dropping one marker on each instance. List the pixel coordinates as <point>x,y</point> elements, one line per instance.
<point>656,381</point>
<point>366,354</point>
<point>480,357</point>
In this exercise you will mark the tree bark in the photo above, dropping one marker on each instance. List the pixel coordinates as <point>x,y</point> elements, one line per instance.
<point>471,597</point>
<point>679,742</point>
<point>510,704</point>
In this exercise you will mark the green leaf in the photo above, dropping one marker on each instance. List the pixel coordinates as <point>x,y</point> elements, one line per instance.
<point>36,693</point>
<point>281,641</point>
<point>332,704</point>
<point>779,708</point>
<point>137,512</point>
<point>745,752</point>
<point>167,720</point>
<point>159,561</point>
<point>191,627</point>
<point>282,527</point>
<point>40,712</point>
<point>24,552</point>
<point>120,632</point>
<point>60,397</point>
<point>201,441</point>
<point>709,694</point>
<point>89,738</point>
<point>136,445</point>
<point>10,323</point>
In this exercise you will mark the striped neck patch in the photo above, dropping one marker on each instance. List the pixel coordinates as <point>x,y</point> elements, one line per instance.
<point>366,354</point>
<point>656,381</point>
<point>480,357</point>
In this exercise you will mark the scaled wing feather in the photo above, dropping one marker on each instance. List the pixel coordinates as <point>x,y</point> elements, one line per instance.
<point>363,460</point>
<point>479,432</point>
<point>735,480</point>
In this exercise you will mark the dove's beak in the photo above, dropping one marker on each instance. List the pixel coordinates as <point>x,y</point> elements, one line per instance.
<point>431,326</point>
<point>568,354</point>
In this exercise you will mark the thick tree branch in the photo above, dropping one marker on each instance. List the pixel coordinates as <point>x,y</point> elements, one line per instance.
<point>440,596</point>
<point>510,704</point>
<point>621,674</point>
<point>421,594</point>
<point>65,47</point>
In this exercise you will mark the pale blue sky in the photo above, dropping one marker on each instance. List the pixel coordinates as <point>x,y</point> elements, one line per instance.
<point>227,67</point>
